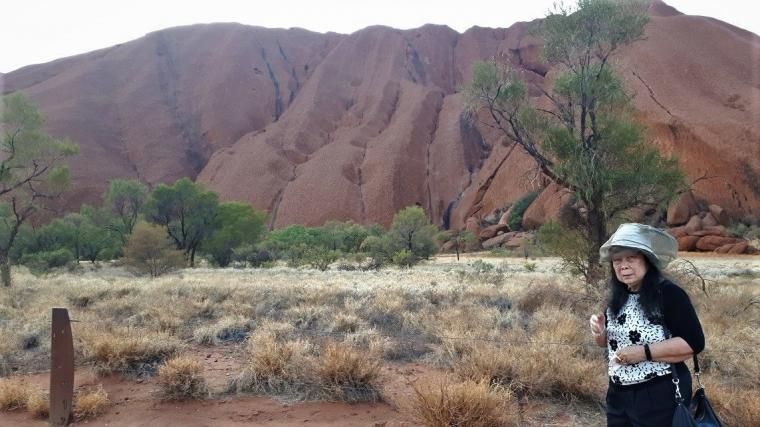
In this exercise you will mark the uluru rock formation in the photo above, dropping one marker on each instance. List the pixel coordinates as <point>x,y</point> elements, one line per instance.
<point>314,126</point>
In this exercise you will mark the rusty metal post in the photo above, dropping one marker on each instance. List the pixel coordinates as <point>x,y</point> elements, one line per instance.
<point>61,369</point>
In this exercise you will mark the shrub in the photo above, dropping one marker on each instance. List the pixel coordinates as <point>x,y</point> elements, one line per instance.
<point>42,262</point>
<point>38,404</point>
<point>149,251</point>
<point>129,354</point>
<point>518,210</point>
<point>90,404</point>
<point>13,394</point>
<point>568,374</point>
<point>181,378</point>
<point>568,244</point>
<point>227,329</point>
<point>347,374</point>
<point>480,266</point>
<point>403,258</point>
<point>320,258</point>
<point>468,403</point>
<point>273,367</point>
<point>411,230</point>
<point>253,255</point>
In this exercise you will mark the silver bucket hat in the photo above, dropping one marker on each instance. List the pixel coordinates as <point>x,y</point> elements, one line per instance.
<point>660,247</point>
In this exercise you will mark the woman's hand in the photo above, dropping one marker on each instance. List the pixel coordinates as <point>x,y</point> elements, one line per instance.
<point>596,322</point>
<point>630,355</point>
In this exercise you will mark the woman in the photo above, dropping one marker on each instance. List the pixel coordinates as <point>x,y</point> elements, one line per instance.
<point>649,324</point>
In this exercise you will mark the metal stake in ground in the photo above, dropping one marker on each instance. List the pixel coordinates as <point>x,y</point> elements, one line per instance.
<point>61,369</point>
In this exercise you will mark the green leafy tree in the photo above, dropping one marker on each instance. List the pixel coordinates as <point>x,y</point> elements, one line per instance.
<point>150,251</point>
<point>585,140</point>
<point>101,234</point>
<point>288,239</point>
<point>88,241</point>
<point>125,199</point>
<point>411,230</point>
<point>237,224</point>
<point>320,258</point>
<point>378,248</point>
<point>32,171</point>
<point>187,211</point>
<point>346,237</point>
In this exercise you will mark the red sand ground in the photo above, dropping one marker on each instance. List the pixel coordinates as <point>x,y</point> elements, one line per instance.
<point>135,403</point>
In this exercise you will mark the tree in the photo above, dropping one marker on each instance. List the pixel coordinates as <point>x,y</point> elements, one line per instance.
<point>125,199</point>
<point>461,239</point>
<point>187,211</point>
<point>150,251</point>
<point>88,241</point>
<point>31,170</point>
<point>238,224</point>
<point>411,230</point>
<point>585,140</point>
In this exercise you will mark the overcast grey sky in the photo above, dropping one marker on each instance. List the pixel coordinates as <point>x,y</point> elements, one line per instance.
<point>37,31</point>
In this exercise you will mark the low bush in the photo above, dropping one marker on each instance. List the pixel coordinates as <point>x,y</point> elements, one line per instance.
<point>518,210</point>
<point>42,262</point>
<point>181,378</point>
<point>149,252</point>
<point>90,403</point>
<point>131,354</point>
<point>347,374</point>
<point>14,394</point>
<point>227,329</point>
<point>403,258</point>
<point>38,404</point>
<point>466,403</point>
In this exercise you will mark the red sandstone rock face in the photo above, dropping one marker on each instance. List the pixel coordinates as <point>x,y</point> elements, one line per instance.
<point>313,127</point>
<point>687,243</point>
<point>546,206</point>
<point>156,108</point>
<point>682,209</point>
<point>492,231</point>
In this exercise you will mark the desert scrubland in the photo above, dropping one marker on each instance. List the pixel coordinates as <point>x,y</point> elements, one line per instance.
<point>485,341</point>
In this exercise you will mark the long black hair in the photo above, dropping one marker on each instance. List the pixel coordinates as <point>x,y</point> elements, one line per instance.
<point>650,293</point>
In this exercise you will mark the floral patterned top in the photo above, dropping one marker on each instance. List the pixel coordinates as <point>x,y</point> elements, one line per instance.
<point>631,326</point>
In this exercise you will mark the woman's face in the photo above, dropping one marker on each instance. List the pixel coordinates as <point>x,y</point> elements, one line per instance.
<point>630,267</point>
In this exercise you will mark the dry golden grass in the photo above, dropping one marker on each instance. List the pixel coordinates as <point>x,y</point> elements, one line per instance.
<point>128,352</point>
<point>478,329</point>
<point>181,378</point>
<point>90,403</point>
<point>467,403</point>
<point>735,406</point>
<point>38,404</point>
<point>347,374</point>
<point>14,394</point>
<point>334,371</point>
<point>227,329</point>
<point>274,367</point>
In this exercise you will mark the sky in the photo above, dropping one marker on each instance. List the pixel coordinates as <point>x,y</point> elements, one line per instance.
<point>38,31</point>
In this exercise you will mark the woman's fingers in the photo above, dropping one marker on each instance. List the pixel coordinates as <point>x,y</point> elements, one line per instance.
<point>597,324</point>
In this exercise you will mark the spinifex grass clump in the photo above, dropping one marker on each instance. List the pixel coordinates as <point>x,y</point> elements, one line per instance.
<point>128,352</point>
<point>90,403</point>
<point>181,378</point>
<point>466,403</point>
<point>295,368</point>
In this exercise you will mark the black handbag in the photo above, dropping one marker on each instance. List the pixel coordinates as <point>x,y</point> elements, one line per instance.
<point>704,414</point>
<point>701,413</point>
